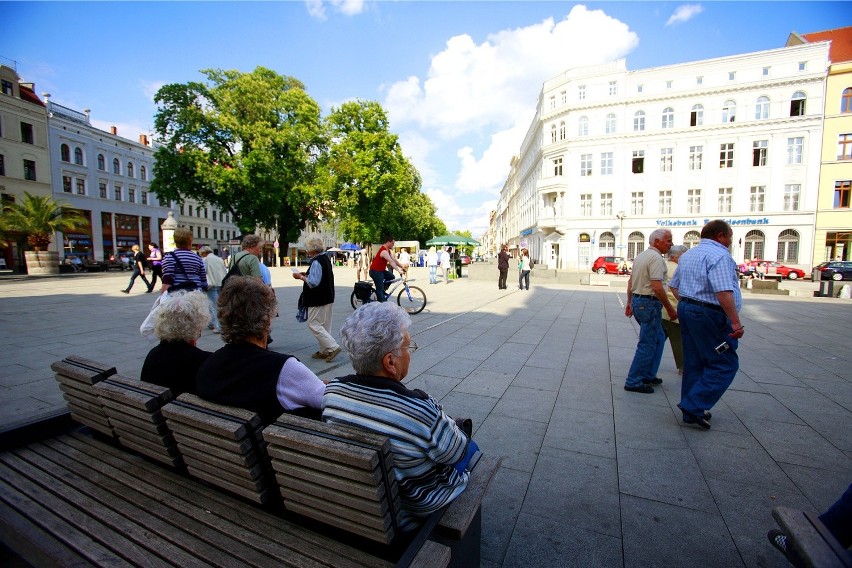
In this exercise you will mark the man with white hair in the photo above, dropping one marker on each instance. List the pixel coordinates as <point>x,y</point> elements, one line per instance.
<point>645,296</point>
<point>318,298</point>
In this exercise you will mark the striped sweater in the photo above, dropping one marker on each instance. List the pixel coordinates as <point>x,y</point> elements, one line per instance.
<point>425,442</point>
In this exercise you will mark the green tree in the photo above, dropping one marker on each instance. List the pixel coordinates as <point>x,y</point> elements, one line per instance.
<point>39,218</point>
<point>249,143</point>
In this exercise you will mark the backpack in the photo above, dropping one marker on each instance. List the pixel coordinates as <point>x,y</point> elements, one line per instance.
<point>234,271</point>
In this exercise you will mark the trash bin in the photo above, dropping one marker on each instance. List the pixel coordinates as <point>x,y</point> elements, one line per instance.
<point>458,268</point>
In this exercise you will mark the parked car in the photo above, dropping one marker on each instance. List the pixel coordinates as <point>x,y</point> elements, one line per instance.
<point>779,269</point>
<point>835,270</point>
<point>465,259</point>
<point>607,264</point>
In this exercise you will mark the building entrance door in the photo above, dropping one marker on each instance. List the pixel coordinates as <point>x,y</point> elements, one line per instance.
<point>584,253</point>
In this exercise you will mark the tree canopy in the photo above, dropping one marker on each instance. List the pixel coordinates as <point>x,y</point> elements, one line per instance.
<point>39,218</point>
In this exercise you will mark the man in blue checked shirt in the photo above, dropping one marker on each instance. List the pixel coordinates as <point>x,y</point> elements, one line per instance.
<point>709,300</point>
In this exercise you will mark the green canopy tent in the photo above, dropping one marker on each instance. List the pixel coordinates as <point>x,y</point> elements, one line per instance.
<point>455,240</point>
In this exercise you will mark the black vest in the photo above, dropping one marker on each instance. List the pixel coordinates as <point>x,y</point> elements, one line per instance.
<point>324,292</point>
<point>245,376</point>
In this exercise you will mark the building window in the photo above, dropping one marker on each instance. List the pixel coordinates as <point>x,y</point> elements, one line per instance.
<point>81,187</point>
<point>206,233</point>
<point>640,88</point>
<point>563,98</point>
<point>606,204</point>
<point>66,184</point>
<point>726,198</point>
<point>766,71</point>
<point>844,147</point>
<point>613,88</point>
<point>562,130</point>
<point>117,190</point>
<point>581,92</point>
<point>729,111</point>
<point>666,159</point>
<point>29,170</point>
<point>797,104</point>
<point>669,84</point>
<point>699,80</point>
<point>637,203</point>
<point>696,155</point>
<point>552,106</point>
<point>691,239</point>
<point>102,190</point>
<point>8,88</point>
<point>131,195</point>
<point>144,198</point>
<point>101,163</point>
<point>758,152</point>
<point>732,75</point>
<point>693,201</point>
<point>791,196</point>
<point>639,121</point>
<point>606,163</point>
<point>27,133</point>
<point>65,153</point>
<point>788,246</point>
<point>754,241</point>
<point>638,161</point>
<point>214,234</point>
<point>668,117</point>
<point>586,204</point>
<point>78,156</point>
<point>557,166</point>
<point>214,214</point>
<point>795,149</point>
<point>553,133</point>
<point>116,166</point>
<point>726,156</point>
<point>635,244</point>
<point>583,129</point>
<point>757,196</point>
<point>761,108</point>
<point>846,101</point>
<point>585,165</point>
<point>665,202</point>
<point>143,173</point>
<point>802,65</point>
<point>130,169</point>
<point>610,123</point>
<point>841,194</point>
<point>696,117</point>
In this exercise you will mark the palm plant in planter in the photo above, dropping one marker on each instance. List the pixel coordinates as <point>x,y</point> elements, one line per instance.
<point>38,218</point>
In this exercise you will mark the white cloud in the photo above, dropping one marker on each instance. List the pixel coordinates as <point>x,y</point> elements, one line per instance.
<point>316,8</point>
<point>489,172</point>
<point>685,13</point>
<point>150,88</point>
<point>126,130</point>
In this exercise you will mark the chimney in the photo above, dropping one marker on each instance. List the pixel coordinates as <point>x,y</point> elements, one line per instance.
<point>143,139</point>
<point>113,130</point>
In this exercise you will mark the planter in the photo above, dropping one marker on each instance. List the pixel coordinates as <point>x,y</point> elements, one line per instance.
<point>44,262</point>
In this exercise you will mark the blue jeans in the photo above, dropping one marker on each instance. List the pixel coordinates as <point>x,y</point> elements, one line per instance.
<point>838,518</point>
<point>461,465</point>
<point>134,275</point>
<point>524,278</point>
<point>379,278</point>
<point>706,374</point>
<point>433,271</point>
<point>652,340</point>
<point>213,296</point>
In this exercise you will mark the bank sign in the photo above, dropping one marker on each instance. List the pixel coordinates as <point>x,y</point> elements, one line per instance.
<point>694,222</point>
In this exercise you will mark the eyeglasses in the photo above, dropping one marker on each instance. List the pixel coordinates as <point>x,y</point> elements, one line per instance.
<point>412,347</point>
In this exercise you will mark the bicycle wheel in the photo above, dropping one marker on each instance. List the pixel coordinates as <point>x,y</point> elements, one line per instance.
<point>357,303</point>
<point>412,299</point>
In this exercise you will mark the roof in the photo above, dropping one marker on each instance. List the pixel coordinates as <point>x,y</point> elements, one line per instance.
<point>27,94</point>
<point>841,43</point>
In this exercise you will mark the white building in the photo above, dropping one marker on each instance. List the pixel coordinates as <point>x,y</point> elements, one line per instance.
<point>613,154</point>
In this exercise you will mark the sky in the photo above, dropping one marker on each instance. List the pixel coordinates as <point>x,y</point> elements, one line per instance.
<point>459,80</point>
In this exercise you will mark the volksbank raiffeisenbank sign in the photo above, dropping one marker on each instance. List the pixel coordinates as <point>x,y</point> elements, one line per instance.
<point>697,223</point>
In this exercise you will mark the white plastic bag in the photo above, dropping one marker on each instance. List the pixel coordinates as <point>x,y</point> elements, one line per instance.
<point>147,327</point>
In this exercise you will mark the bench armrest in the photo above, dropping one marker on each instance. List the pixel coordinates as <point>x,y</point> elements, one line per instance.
<point>459,515</point>
<point>811,539</point>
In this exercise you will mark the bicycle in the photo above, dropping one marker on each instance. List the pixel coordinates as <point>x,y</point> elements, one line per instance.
<point>411,298</point>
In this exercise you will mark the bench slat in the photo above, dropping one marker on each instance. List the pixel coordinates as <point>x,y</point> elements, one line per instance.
<point>213,453</point>
<point>193,419</point>
<point>130,418</point>
<point>432,555</point>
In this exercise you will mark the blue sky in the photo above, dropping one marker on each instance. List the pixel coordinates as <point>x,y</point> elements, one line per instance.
<point>459,79</point>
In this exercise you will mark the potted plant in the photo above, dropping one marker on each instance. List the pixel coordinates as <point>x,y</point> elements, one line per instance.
<point>38,218</point>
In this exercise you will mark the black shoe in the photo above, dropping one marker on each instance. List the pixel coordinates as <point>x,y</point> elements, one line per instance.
<point>690,418</point>
<point>654,381</point>
<point>780,541</point>
<point>644,389</point>
<point>126,291</point>
<point>149,290</point>
<point>707,414</point>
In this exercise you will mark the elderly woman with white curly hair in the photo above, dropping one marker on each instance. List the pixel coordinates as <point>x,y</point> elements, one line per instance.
<point>430,450</point>
<point>244,373</point>
<point>178,324</point>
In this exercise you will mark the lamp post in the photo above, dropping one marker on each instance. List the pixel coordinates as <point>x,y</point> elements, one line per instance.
<point>621,215</point>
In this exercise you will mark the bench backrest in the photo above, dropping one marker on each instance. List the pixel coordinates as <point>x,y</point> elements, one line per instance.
<point>76,377</point>
<point>134,411</point>
<point>336,475</point>
<point>221,445</point>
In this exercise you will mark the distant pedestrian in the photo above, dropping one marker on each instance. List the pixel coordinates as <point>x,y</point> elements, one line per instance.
<point>216,271</point>
<point>708,290</point>
<point>503,266</point>
<point>248,259</point>
<point>671,327</point>
<point>432,265</point>
<point>182,268</point>
<point>138,269</point>
<point>362,263</point>
<point>318,298</point>
<point>645,299</point>
<point>155,258</point>
<point>524,268</point>
<point>444,262</point>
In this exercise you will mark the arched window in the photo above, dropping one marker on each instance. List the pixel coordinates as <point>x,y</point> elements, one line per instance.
<point>761,108</point>
<point>696,117</point>
<point>101,162</point>
<point>639,121</point>
<point>668,117</point>
<point>116,166</point>
<point>846,100</point>
<point>610,123</point>
<point>788,246</point>
<point>553,133</point>
<point>797,104</point>
<point>130,169</point>
<point>729,111</point>
<point>78,156</point>
<point>143,173</point>
<point>583,126</point>
<point>562,131</point>
<point>635,244</point>
<point>65,153</point>
<point>606,244</point>
<point>754,243</point>
<point>691,239</point>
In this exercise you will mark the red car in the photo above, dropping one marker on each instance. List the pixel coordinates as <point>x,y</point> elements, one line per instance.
<point>779,269</point>
<point>607,264</point>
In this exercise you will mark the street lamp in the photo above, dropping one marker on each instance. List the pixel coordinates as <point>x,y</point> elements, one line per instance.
<point>621,216</point>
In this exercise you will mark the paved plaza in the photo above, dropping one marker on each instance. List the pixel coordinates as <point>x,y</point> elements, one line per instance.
<point>591,475</point>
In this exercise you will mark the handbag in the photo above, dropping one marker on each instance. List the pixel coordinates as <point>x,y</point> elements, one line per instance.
<point>302,311</point>
<point>147,327</point>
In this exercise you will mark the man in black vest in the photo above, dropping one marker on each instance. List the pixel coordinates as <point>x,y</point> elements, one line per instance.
<point>318,298</point>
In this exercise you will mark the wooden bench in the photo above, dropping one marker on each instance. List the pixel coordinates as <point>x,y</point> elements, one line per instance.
<point>77,377</point>
<point>811,540</point>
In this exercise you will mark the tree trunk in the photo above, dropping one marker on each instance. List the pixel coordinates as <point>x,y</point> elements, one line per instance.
<point>44,262</point>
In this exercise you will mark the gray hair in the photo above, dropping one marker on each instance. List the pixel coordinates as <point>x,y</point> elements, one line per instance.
<point>314,244</point>
<point>250,241</point>
<point>657,235</point>
<point>370,332</point>
<point>182,316</point>
<point>205,250</point>
<point>246,308</point>
<point>676,251</point>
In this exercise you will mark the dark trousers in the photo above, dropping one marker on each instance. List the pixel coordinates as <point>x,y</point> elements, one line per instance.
<point>134,275</point>
<point>379,278</point>
<point>156,270</point>
<point>524,278</point>
<point>501,282</point>
<point>838,519</point>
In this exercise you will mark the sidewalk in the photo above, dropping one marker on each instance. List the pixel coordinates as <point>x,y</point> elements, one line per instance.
<point>592,475</point>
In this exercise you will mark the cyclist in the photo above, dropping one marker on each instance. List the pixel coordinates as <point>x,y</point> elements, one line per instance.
<point>379,267</point>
